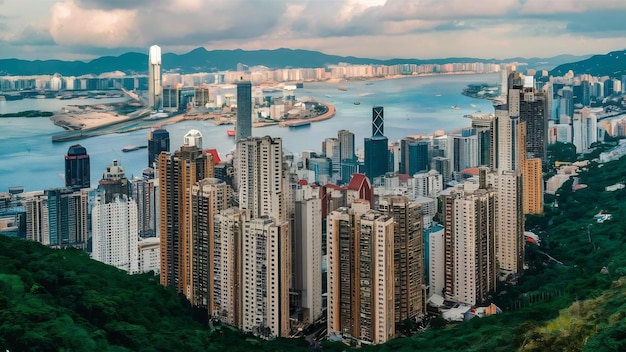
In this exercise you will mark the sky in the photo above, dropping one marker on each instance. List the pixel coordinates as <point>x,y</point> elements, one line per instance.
<point>423,29</point>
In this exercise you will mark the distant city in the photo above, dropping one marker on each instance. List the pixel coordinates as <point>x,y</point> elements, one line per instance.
<point>352,243</point>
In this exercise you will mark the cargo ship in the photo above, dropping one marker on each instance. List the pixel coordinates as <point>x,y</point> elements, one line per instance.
<point>130,148</point>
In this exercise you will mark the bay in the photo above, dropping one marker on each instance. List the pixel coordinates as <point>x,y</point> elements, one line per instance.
<point>412,105</point>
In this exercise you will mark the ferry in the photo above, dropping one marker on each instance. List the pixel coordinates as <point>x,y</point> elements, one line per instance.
<point>342,88</point>
<point>455,107</point>
<point>131,148</point>
<point>357,103</point>
<point>230,133</point>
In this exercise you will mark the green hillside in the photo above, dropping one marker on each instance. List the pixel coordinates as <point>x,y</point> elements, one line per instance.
<point>612,64</point>
<point>61,300</point>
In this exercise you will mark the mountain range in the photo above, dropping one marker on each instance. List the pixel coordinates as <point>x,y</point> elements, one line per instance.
<point>202,60</point>
<point>612,64</point>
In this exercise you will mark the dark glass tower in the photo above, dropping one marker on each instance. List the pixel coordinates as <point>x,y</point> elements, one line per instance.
<point>346,155</point>
<point>77,173</point>
<point>158,141</point>
<point>376,147</point>
<point>244,110</point>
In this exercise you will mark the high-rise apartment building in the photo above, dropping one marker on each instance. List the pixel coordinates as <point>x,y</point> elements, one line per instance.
<point>208,197</point>
<point>427,184</point>
<point>58,217</point>
<point>114,232</point>
<point>307,258</point>
<point>145,193</point>
<point>227,266</point>
<point>178,172</point>
<point>243,125</point>
<point>155,85</point>
<point>77,168</point>
<point>266,272</point>
<point>114,221</point>
<point>361,273</point>
<point>469,244</point>
<point>408,253</point>
<point>506,180</point>
<point>158,141</point>
<point>377,147</point>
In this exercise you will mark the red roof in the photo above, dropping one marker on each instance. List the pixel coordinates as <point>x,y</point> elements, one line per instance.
<point>357,182</point>
<point>470,171</point>
<point>216,156</point>
<point>303,182</point>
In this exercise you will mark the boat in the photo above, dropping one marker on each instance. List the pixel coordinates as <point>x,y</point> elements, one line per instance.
<point>455,107</point>
<point>230,133</point>
<point>473,105</point>
<point>368,83</point>
<point>299,124</point>
<point>131,148</point>
<point>357,103</point>
<point>342,88</point>
<point>438,94</point>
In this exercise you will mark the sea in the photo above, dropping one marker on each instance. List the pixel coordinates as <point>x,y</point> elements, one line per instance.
<point>412,106</point>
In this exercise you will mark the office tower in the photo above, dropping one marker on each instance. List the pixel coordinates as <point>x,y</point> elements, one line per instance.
<point>307,258</point>
<point>346,155</point>
<point>414,156</point>
<point>145,194</point>
<point>114,232</point>
<point>361,274</point>
<point>244,110</point>
<point>58,217</point>
<point>321,168</point>
<point>227,263</point>
<point>149,255</point>
<point>208,197</point>
<point>408,256</point>
<point>332,151</point>
<point>178,172</point>
<point>463,152</point>
<point>531,107</point>
<point>114,182</point>
<point>155,86</point>
<point>376,147</point>
<point>483,125</point>
<point>469,237</point>
<point>427,184</point>
<point>264,196</point>
<point>158,141</point>
<point>443,167</point>
<point>77,169</point>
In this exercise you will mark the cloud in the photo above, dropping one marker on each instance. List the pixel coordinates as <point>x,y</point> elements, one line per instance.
<point>32,35</point>
<point>73,25</point>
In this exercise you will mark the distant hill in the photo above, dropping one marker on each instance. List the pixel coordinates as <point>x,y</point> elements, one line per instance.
<point>612,64</point>
<point>202,60</point>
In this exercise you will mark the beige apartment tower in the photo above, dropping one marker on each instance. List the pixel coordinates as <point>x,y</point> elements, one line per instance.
<point>409,287</point>
<point>361,274</point>
<point>178,173</point>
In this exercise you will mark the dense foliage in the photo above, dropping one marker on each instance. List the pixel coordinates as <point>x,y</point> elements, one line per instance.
<point>572,297</point>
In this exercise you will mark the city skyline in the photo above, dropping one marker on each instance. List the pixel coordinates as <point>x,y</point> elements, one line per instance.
<point>85,29</point>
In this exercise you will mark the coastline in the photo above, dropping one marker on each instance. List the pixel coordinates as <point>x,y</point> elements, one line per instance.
<point>95,123</point>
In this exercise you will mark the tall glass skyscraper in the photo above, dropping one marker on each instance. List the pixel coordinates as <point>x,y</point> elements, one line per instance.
<point>376,147</point>
<point>158,141</point>
<point>77,172</point>
<point>155,88</point>
<point>244,110</point>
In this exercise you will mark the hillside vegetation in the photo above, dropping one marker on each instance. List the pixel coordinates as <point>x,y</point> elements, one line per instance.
<point>571,298</point>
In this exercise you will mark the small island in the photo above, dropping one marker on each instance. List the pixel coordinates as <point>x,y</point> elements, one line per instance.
<point>482,91</point>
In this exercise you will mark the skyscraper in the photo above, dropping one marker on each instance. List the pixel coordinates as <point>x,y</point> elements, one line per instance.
<point>361,273</point>
<point>155,86</point>
<point>77,169</point>
<point>158,141</point>
<point>469,245</point>
<point>178,172</point>
<point>408,253</point>
<point>244,110</point>
<point>376,147</point>
<point>346,155</point>
<point>266,244</point>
